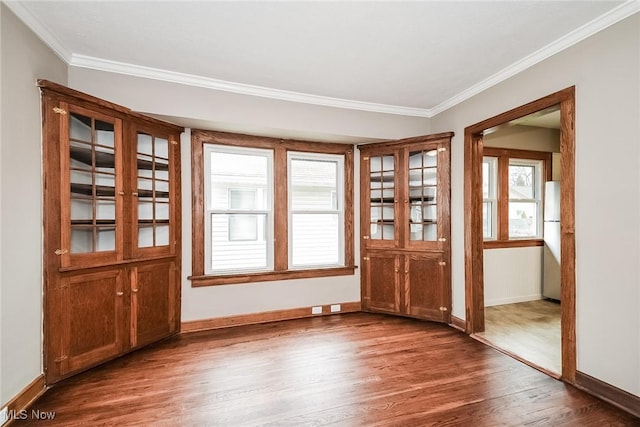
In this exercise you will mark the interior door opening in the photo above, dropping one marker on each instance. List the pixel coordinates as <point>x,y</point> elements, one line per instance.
<point>517,221</point>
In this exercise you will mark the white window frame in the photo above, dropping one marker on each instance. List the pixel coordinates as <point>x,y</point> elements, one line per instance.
<point>208,212</point>
<point>339,159</point>
<point>538,179</point>
<point>493,195</point>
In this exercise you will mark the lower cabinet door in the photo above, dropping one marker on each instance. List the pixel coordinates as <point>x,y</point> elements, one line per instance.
<point>86,321</point>
<point>382,283</point>
<point>153,302</point>
<point>426,286</point>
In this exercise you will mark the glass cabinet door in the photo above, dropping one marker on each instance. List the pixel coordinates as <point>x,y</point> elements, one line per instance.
<point>382,197</point>
<point>152,208</point>
<point>93,182</point>
<point>422,221</point>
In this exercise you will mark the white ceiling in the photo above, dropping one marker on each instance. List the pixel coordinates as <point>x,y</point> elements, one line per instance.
<point>412,58</point>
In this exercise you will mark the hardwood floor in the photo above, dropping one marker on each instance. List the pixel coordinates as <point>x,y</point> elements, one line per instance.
<point>350,370</point>
<point>530,330</point>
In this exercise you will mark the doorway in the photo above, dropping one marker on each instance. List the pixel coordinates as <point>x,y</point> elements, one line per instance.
<point>474,240</point>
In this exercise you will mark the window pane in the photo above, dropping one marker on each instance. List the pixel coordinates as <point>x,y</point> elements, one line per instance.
<point>315,239</point>
<point>238,242</point>
<point>313,184</point>
<point>233,171</point>
<point>521,182</point>
<point>243,227</point>
<point>487,220</point>
<point>242,199</point>
<point>523,219</point>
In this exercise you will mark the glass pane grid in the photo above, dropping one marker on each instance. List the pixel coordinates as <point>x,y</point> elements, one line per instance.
<point>92,184</point>
<point>153,191</point>
<point>422,183</point>
<point>382,198</point>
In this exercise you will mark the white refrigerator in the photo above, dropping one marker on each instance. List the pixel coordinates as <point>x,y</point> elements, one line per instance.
<point>551,254</point>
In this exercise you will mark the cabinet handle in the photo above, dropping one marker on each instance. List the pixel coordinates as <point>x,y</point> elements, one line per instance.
<point>134,194</point>
<point>61,251</point>
<point>397,270</point>
<point>134,290</point>
<point>119,293</point>
<point>120,193</point>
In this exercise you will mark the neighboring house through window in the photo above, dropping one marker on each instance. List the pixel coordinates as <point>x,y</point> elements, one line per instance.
<point>512,186</point>
<point>270,209</point>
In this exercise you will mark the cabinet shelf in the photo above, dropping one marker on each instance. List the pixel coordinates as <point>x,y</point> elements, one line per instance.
<point>91,223</point>
<point>83,155</point>
<point>87,190</point>
<point>391,201</point>
<point>107,191</point>
<point>144,164</point>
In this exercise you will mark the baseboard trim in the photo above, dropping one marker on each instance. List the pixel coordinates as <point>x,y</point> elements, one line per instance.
<point>265,317</point>
<point>611,394</point>
<point>25,398</point>
<point>458,323</point>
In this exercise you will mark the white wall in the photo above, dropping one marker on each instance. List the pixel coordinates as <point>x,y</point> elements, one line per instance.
<point>605,69</point>
<point>512,275</point>
<point>24,59</point>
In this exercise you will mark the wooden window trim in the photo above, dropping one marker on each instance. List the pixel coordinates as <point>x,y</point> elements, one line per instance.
<point>280,149</point>
<point>502,193</point>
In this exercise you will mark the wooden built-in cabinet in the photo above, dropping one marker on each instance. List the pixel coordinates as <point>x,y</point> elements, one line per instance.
<point>112,230</point>
<point>405,227</point>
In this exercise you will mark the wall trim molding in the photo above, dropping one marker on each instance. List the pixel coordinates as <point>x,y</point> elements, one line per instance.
<point>617,397</point>
<point>600,23</point>
<point>490,302</point>
<point>265,317</point>
<point>26,397</point>
<point>93,63</point>
<point>458,323</point>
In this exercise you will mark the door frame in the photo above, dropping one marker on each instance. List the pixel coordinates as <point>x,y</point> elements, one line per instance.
<point>473,238</point>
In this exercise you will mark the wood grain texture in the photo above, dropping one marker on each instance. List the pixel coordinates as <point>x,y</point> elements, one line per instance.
<point>27,396</point>
<point>265,317</point>
<point>474,304</point>
<point>352,370</point>
<point>617,397</point>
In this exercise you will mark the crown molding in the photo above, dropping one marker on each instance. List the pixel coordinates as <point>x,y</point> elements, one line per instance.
<point>615,15</point>
<point>100,64</point>
<point>34,25</point>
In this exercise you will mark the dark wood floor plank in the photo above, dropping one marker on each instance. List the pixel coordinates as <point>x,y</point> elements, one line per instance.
<point>351,370</point>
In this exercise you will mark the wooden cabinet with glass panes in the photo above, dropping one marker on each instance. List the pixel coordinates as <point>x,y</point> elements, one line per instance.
<point>112,230</point>
<point>405,227</point>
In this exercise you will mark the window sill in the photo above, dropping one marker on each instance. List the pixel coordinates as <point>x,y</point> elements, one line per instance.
<point>198,281</point>
<point>524,243</point>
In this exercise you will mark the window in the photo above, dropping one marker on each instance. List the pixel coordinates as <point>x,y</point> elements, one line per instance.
<point>512,182</point>
<point>489,197</point>
<point>316,211</point>
<point>525,201</point>
<point>270,209</point>
<point>239,209</point>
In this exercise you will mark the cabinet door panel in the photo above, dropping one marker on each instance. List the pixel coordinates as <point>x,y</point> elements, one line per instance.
<point>155,167</point>
<point>425,287</point>
<point>383,287</point>
<point>92,312</point>
<point>153,303</point>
